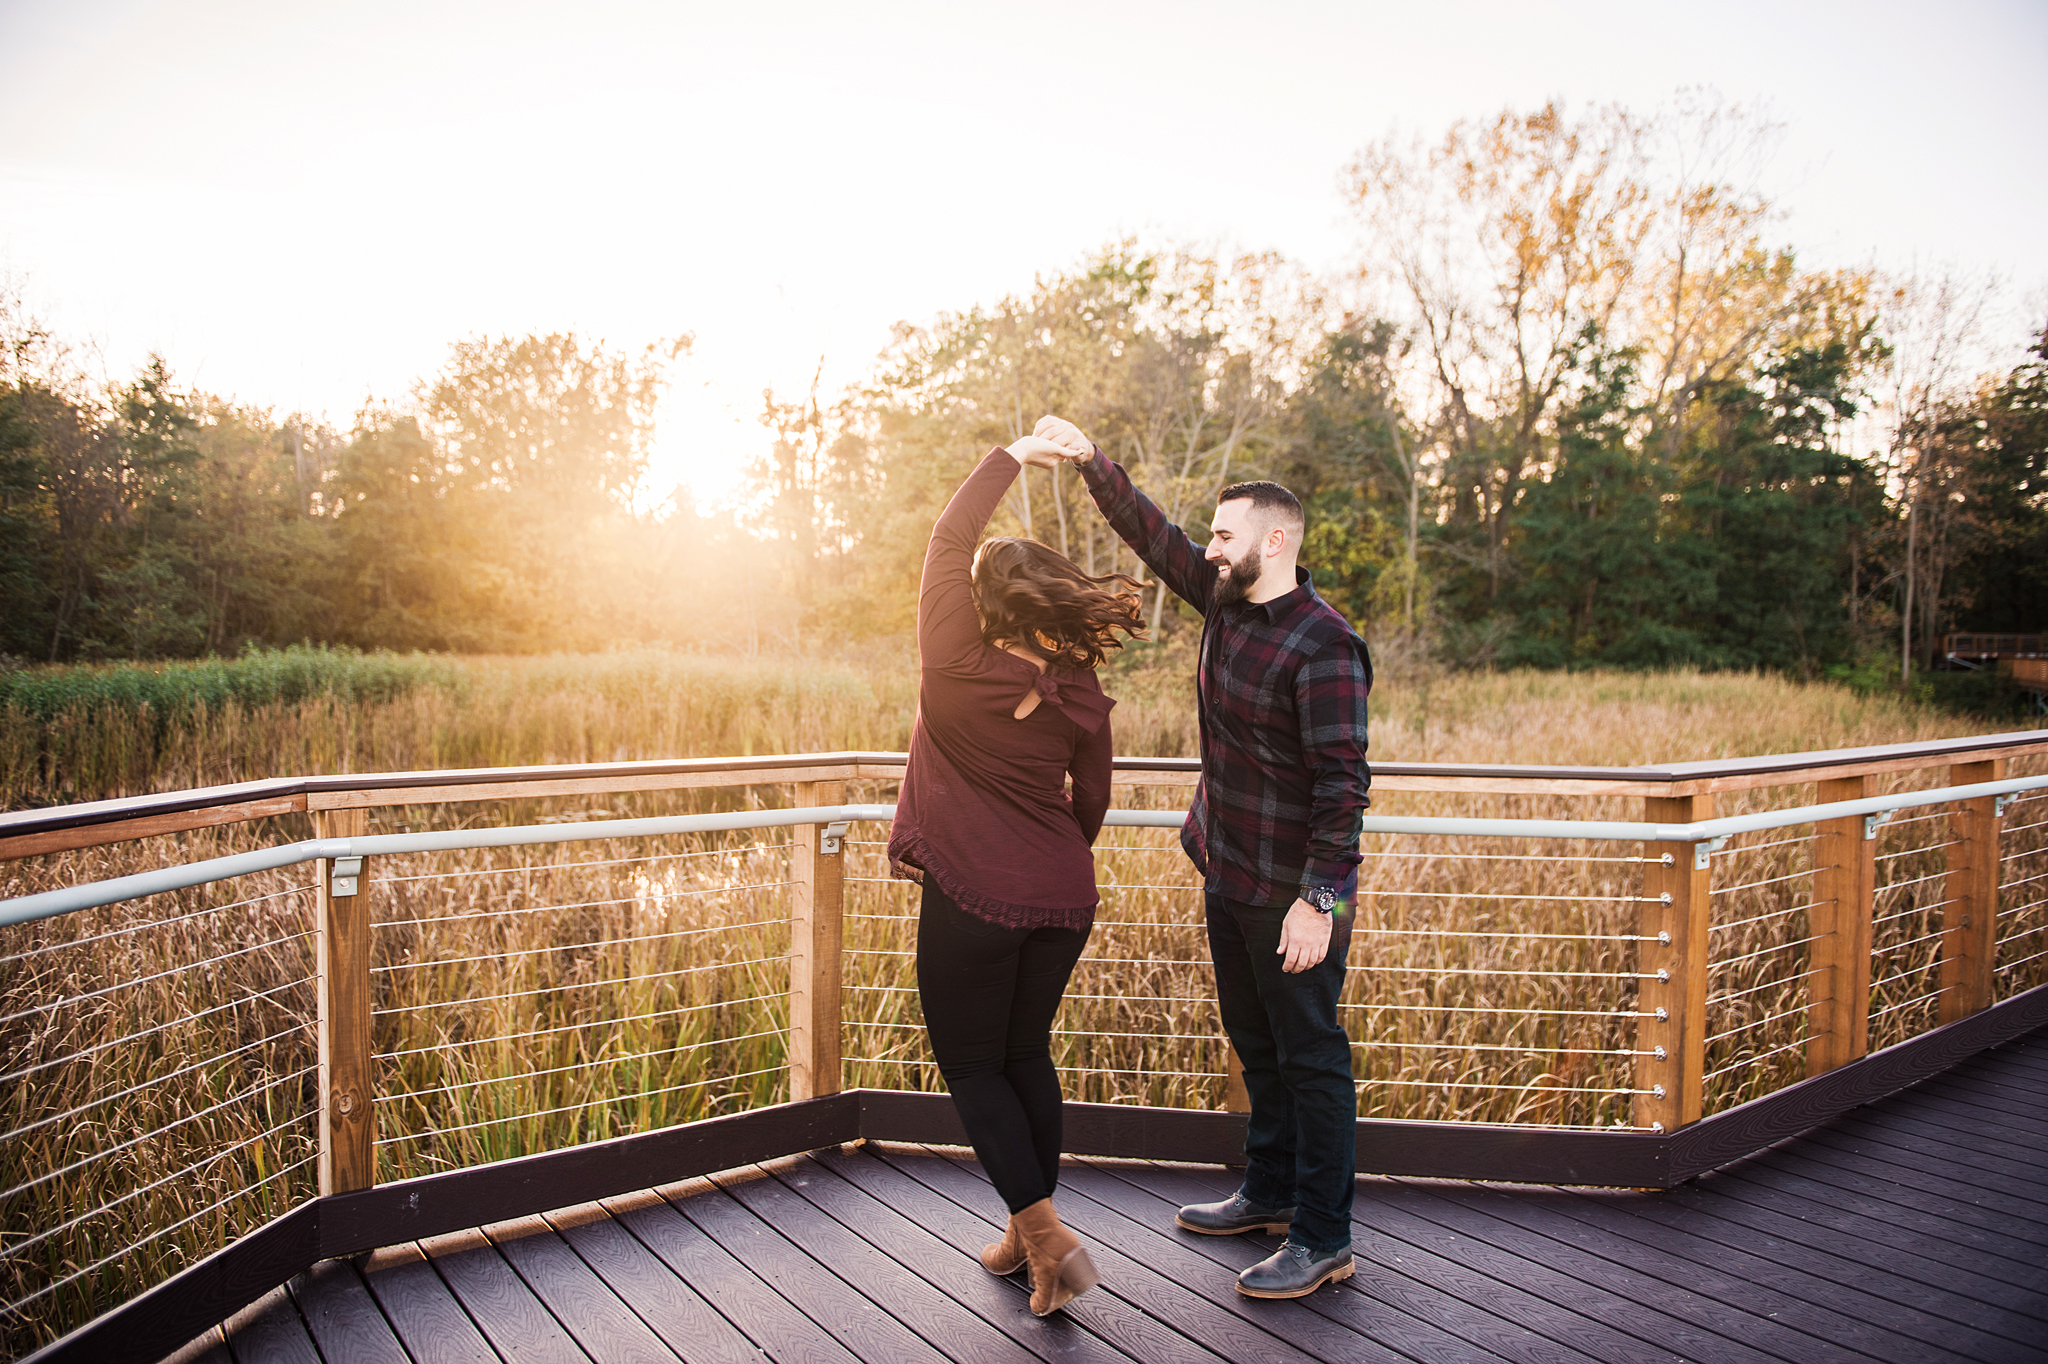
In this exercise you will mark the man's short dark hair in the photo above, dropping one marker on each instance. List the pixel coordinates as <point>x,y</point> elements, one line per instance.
<point>1268,497</point>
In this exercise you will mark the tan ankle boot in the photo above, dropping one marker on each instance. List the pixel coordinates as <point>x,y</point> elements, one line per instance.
<point>1060,1268</point>
<point>1007,1255</point>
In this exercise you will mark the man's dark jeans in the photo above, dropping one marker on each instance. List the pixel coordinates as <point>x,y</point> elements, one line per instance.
<point>1301,1148</point>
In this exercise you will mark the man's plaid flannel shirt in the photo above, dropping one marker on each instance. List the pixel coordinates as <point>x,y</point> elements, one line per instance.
<point>1282,688</point>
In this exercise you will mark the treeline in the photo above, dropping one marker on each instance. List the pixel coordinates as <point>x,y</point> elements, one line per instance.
<point>1571,408</point>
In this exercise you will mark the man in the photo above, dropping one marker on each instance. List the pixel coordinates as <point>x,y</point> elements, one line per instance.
<point>1282,687</point>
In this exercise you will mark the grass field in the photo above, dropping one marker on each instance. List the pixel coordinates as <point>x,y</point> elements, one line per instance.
<point>158,1056</point>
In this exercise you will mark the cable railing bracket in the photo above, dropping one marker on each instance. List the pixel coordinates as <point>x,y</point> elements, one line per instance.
<point>346,877</point>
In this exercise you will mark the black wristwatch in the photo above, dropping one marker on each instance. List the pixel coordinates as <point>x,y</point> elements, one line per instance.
<point>1322,899</point>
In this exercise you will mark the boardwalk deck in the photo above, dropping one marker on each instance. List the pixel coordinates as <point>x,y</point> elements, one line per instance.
<point>1914,1229</point>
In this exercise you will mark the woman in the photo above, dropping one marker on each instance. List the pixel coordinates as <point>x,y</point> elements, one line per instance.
<point>1008,709</point>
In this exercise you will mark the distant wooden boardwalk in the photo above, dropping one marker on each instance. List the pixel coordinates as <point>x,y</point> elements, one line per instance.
<point>1913,1229</point>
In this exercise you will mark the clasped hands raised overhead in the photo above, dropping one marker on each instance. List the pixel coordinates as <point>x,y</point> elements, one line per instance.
<point>1053,442</point>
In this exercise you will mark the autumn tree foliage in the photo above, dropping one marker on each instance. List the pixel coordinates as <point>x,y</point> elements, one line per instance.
<point>1573,404</point>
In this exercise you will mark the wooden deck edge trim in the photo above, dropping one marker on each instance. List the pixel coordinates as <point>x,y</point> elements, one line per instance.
<point>1422,1150</point>
<point>1731,1135</point>
<point>131,817</point>
<point>1513,1155</point>
<point>153,1324</point>
<point>1125,1130</point>
<point>431,1205</point>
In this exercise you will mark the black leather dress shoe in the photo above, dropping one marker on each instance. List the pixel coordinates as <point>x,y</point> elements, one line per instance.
<point>1294,1272</point>
<point>1233,1215</point>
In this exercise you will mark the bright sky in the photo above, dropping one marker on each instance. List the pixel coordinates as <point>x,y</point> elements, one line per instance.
<point>301,206</point>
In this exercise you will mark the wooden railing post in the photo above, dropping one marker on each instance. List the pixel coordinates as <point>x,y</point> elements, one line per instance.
<point>342,952</point>
<point>817,906</point>
<point>1969,924</point>
<point>1673,993</point>
<point>1839,922</point>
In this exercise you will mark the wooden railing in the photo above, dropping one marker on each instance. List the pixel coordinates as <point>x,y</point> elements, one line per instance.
<point>1967,645</point>
<point>1678,1123</point>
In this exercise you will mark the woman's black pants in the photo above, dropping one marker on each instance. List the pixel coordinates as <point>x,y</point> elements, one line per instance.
<point>989,996</point>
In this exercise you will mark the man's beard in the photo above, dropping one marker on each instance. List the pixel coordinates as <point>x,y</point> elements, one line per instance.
<point>1235,585</point>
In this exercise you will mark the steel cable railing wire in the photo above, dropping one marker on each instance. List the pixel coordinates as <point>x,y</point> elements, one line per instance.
<point>157,1088</point>
<point>150,925</point>
<point>1454,926</point>
<point>549,908</point>
<point>744,850</point>
<point>1760,925</point>
<point>518,1017</point>
<point>2022,930</point>
<point>875,938</point>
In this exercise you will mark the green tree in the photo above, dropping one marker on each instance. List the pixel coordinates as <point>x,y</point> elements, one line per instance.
<point>2002,578</point>
<point>1767,514</point>
<point>1589,577</point>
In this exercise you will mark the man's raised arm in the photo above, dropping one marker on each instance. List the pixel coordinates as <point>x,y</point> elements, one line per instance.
<point>1137,520</point>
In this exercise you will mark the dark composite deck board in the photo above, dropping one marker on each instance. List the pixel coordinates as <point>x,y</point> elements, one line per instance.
<point>923,1309</point>
<point>1994,1254</point>
<point>2013,1107</point>
<point>1932,1194</point>
<point>271,1331</point>
<point>209,1347</point>
<point>1475,1273</point>
<point>1723,1302</point>
<point>1911,1231</point>
<point>1869,1322</point>
<point>1985,1103</point>
<point>2028,1053</point>
<point>517,1324</point>
<point>1002,1303</point>
<point>1962,1184</point>
<point>1971,1151</point>
<point>739,1295</point>
<point>1872,1246</point>
<point>1791,1241</point>
<point>1409,1333</point>
<point>606,1328</point>
<point>1092,1210</point>
<point>1960,1117</point>
<point>815,1289</point>
<point>1098,1317</point>
<point>2007,1078</point>
<point>342,1316</point>
<point>2024,1059</point>
<point>2007,1082</point>
<point>2028,1065</point>
<point>688,1325</point>
<point>1125,1280</point>
<point>1660,1315</point>
<point>423,1313</point>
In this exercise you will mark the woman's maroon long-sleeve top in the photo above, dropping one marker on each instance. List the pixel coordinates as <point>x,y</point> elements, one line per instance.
<point>984,808</point>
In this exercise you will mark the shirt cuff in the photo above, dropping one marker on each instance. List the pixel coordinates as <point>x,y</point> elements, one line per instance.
<point>1095,471</point>
<point>1344,887</point>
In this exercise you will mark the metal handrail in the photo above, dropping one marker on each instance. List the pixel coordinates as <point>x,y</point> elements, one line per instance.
<point>22,832</point>
<point>1706,832</point>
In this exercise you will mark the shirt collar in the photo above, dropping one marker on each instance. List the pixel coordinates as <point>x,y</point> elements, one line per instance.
<point>1286,603</point>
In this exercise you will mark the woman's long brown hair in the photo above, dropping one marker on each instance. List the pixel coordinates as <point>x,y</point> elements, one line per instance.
<point>1031,594</point>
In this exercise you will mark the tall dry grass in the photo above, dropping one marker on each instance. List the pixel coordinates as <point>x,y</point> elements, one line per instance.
<point>528,1000</point>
